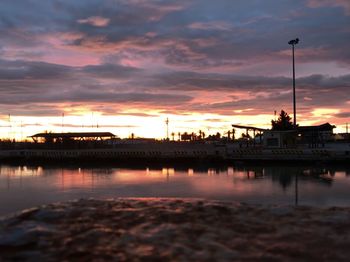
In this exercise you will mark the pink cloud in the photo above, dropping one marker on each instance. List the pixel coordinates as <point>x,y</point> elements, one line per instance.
<point>214,25</point>
<point>304,52</point>
<point>95,21</point>
<point>151,34</point>
<point>334,3</point>
<point>57,51</point>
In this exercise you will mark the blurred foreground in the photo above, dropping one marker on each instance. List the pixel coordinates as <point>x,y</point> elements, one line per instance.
<point>175,230</point>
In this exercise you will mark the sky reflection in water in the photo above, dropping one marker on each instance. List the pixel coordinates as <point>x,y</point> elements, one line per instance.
<point>24,187</point>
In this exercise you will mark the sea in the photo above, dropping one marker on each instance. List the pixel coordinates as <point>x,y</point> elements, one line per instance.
<point>23,187</point>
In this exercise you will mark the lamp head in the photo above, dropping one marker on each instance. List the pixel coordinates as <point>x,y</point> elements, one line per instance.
<point>294,41</point>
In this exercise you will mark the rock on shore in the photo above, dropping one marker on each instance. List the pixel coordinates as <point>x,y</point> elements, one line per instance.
<point>175,230</point>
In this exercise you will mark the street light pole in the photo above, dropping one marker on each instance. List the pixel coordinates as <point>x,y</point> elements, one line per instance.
<point>293,43</point>
<point>167,128</point>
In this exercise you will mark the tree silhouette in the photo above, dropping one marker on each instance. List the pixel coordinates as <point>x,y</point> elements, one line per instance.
<point>284,122</point>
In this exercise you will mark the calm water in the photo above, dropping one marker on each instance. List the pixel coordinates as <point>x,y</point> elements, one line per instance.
<point>24,186</point>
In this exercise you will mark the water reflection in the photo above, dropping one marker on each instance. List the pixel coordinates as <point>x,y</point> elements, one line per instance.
<point>25,186</point>
<point>20,171</point>
<point>84,177</point>
<point>285,175</point>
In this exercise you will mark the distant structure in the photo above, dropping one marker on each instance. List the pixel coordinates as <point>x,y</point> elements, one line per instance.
<point>256,130</point>
<point>56,137</point>
<point>303,143</point>
<point>186,137</point>
<point>313,136</point>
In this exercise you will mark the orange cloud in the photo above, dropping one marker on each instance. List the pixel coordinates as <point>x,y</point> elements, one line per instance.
<point>95,21</point>
<point>214,25</point>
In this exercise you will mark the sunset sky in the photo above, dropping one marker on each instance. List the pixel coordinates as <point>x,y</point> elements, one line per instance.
<point>127,65</point>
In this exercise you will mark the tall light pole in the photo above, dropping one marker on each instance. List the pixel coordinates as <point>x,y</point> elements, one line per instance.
<point>167,128</point>
<point>293,43</point>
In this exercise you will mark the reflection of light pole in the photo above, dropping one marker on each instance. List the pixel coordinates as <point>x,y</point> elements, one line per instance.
<point>293,43</point>
<point>296,190</point>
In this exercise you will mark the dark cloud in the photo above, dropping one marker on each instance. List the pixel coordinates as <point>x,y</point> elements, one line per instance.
<point>19,70</point>
<point>185,32</point>
<point>321,81</point>
<point>343,115</point>
<point>199,81</point>
<point>29,109</point>
<point>227,82</point>
<point>266,94</point>
<point>160,99</point>
<point>83,96</point>
<point>38,83</point>
<point>110,71</point>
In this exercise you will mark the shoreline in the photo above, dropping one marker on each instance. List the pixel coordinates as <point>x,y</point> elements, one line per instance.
<point>158,162</point>
<point>170,229</point>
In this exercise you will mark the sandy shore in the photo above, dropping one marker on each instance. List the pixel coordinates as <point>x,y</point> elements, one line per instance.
<point>175,230</point>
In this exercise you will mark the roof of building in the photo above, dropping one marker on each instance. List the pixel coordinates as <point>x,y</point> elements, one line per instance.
<point>73,135</point>
<point>323,127</point>
<point>249,127</point>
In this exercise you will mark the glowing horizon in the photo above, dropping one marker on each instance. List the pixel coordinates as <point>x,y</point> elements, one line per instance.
<point>20,128</point>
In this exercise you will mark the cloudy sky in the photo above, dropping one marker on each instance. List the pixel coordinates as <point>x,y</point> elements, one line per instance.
<point>127,65</point>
